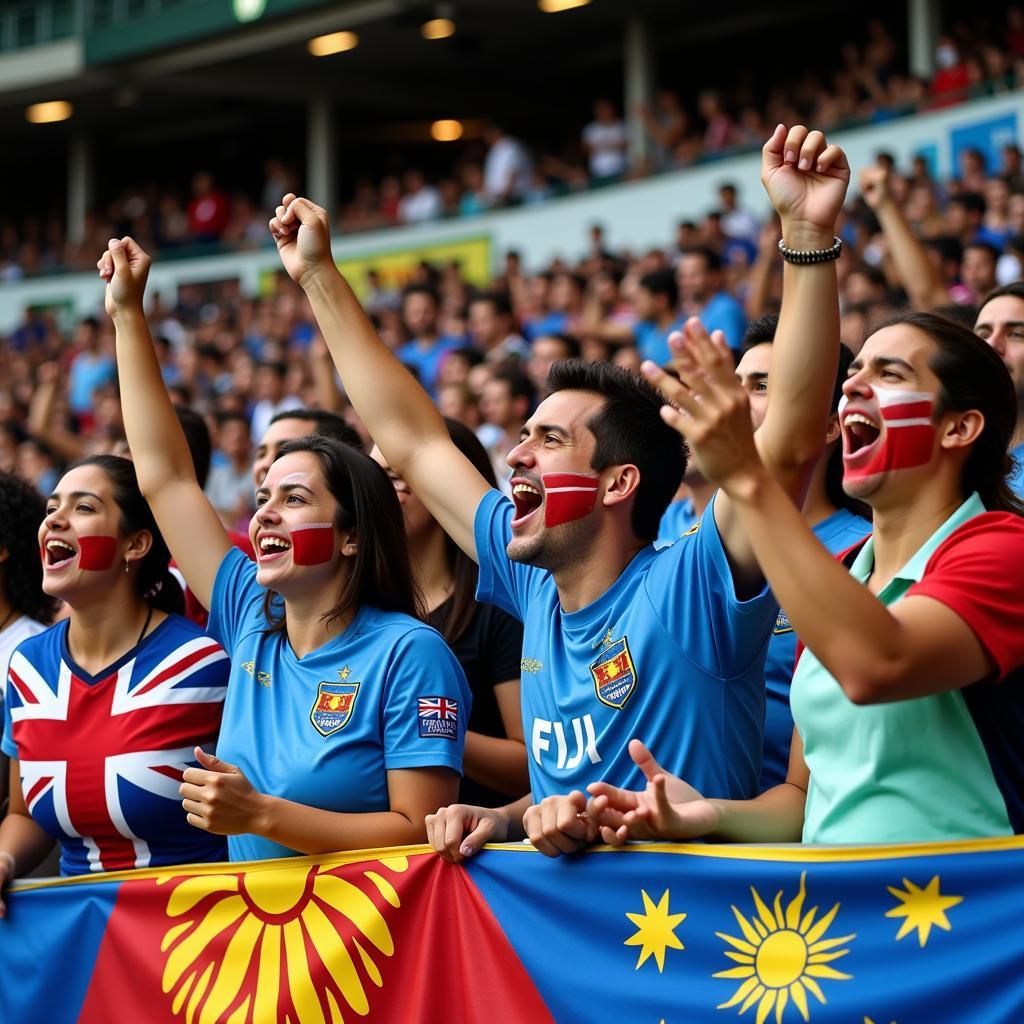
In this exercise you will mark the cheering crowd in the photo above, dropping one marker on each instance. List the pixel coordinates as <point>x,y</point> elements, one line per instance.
<point>573,621</point>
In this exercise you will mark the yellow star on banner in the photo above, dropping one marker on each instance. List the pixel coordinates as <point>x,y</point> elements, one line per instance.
<point>922,908</point>
<point>868,1020</point>
<point>655,930</point>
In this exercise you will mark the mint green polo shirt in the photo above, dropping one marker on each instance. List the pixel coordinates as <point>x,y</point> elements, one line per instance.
<point>910,771</point>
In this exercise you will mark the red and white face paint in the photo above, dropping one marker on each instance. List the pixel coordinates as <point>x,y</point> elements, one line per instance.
<point>96,553</point>
<point>906,436</point>
<point>312,543</point>
<point>568,496</point>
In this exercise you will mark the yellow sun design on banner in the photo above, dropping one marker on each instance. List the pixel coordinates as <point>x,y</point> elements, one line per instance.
<point>922,908</point>
<point>656,930</point>
<point>781,956</point>
<point>275,945</point>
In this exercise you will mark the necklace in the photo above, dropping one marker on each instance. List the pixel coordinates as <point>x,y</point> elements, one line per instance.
<point>142,632</point>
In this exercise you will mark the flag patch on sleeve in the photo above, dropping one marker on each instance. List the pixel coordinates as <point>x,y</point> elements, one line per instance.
<point>439,717</point>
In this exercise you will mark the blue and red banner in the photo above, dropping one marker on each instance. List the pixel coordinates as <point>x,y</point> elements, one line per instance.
<point>654,933</point>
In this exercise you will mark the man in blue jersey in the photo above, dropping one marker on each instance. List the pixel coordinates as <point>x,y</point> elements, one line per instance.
<point>838,521</point>
<point>619,640</point>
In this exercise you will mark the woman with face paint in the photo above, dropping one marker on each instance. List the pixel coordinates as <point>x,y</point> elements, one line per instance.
<point>106,709</point>
<point>907,700</point>
<point>345,716</point>
<point>487,641</point>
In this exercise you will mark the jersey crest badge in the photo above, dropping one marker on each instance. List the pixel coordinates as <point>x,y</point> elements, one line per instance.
<point>782,624</point>
<point>614,674</point>
<point>333,706</point>
<point>439,717</point>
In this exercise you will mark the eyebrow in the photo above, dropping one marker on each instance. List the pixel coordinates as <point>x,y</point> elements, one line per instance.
<point>77,494</point>
<point>757,375</point>
<point>881,362</point>
<point>264,489</point>
<point>543,428</point>
<point>1005,323</point>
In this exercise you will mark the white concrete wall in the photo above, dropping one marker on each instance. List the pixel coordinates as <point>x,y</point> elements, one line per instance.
<point>638,215</point>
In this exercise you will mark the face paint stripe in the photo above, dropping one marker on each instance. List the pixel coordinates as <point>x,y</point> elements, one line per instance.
<point>96,553</point>
<point>312,543</point>
<point>568,496</point>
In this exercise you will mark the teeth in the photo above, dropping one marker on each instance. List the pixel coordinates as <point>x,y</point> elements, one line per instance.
<point>856,417</point>
<point>266,543</point>
<point>525,489</point>
<point>53,545</point>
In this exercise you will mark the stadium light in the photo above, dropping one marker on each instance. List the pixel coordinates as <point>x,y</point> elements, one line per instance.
<point>335,42</point>
<point>47,113</point>
<point>438,28</point>
<point>446,130</point>
<point>554,6</point>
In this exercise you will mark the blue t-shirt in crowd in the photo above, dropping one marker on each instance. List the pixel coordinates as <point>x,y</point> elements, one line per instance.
<point>88,372</point>
<point>1016,477</point>
<point>325,729</point>
<point>724,313</point>
<point>679,517</point>
<point>425,360</point>
<point>840,531</point>
<point>652,340</point>
<point>667,654</point>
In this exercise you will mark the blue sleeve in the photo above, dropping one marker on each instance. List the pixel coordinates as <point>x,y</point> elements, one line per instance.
<point>237,601</point>
<point>691,588</point>
<point>503,582</point>
<point>426,704</point>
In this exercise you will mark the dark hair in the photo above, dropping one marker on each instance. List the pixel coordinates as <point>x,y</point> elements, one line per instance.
<point>154,583</point>
<point>972,202</point>
<point>662,282</point>
<point>972,376</point>
<point>197,437</point>
<point>367,504</point>
<point>629,429</point>
<point>232,416</point>
<point>987,247</point>
<point>572,345</point>
<point>279,369</point>
<point>465,572</point>
<point>712,261</point>
<point>22,509</point>
<point>327,424</point>
<point>760,331</point>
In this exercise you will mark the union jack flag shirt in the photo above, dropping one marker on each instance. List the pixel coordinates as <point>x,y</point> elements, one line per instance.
<point>102,756</point>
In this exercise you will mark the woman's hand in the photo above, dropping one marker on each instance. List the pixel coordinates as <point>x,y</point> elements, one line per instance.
<point>302,231</point>
<point>125,267</point>
<point>219,798</point>
<point>708,405</point>
<point>458,831</point>
<point>806,180</point>
<point>667,808</point>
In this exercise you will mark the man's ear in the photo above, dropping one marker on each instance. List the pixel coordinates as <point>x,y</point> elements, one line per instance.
<point>962,428</point>
<point>622,484</point>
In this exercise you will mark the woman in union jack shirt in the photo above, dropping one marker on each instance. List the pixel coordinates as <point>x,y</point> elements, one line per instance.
<point>345,716</point>
<point>105,709</point>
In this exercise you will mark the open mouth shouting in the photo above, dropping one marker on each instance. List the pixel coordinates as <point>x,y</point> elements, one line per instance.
<point>899,435</point>
<point>528,498</point>
<point>271,546</point>
<point>860,435</point>
<point>58,554</point>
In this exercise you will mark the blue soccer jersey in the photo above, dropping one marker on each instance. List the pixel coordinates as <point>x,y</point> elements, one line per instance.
<point>325,729</point>
<point>840,531</point>
<point>667,654</point>
<point>101,756</point>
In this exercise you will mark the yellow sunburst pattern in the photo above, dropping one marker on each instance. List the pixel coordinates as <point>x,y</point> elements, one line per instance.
<point>921,908</point>
<point>292,945</point>
<point>782,955</point>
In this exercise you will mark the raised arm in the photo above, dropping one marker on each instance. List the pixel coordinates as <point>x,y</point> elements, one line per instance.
<point>914,269</point>
<point>397,412</point>
<point>806,180</point>
<point>167,477</point>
